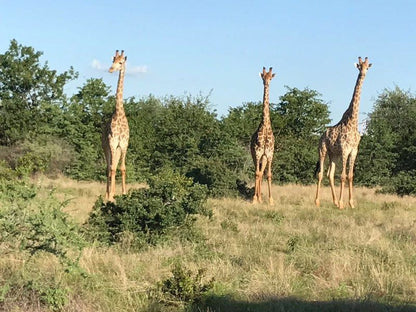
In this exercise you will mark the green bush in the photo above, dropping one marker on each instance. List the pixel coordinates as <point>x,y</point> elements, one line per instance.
<point>36,226</point>
<point>148,213</point>
<point>40,154</point>
<point>49,294</point>
<point>404,183</point>
<point>13,189</point>
<point>51,230</point>
<point>186,287</point>
<point>219,179</point>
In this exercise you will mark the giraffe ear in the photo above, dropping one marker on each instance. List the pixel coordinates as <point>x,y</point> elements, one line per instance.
<point>273,75</point>
<point>369,65</point>
<point>125,58</point>
<point>357,65</point>
<point>260,74</point>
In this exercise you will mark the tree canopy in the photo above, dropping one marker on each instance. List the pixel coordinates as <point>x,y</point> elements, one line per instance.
<point>27,92</point>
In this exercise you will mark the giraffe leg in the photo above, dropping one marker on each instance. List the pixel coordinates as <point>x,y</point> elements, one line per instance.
<point>107,190</point>
<point>322,154</point>
<point>263,166</point>
<point>108,171</point>
<point>269,180</point>
<point>351,176</point>
<point>256,184</point>
<point>115,159</point>
<point>123,171</point>
<point>343,178</point>
<point>331,176</point>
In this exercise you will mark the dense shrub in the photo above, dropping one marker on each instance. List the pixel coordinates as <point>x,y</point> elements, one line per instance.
<point>387,154</point>
<point>37,226</point>
<point>148,213</point>
<point>12,188</point>
<point>184,286</point>
<point>39,154</point>
<point>404,183</point>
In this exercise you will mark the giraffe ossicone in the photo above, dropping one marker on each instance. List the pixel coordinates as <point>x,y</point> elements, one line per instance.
<point>115,136</point>
<point>341,142</point>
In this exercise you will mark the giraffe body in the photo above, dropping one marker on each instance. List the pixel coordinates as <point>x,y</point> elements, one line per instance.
<point>262,143</point>
<point>341,142</point>
<point>115,138</point>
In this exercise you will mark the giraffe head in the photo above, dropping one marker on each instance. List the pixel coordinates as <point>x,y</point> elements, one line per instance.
<point>267,76</point>
<point>363,66</point>
<point>118,61</point>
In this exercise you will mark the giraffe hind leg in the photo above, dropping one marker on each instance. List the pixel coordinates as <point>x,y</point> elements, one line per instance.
<point>256,183</point>
<point>269,180</point>
<point>351,177</point>
<point>343,178</point>
<point>262,168</point>
<point>320,170</point>
<point>108,172</point>
<point>123,171</point>
<point>115,156</point>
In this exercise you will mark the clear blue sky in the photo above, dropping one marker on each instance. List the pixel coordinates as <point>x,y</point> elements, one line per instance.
<point>192,47</point>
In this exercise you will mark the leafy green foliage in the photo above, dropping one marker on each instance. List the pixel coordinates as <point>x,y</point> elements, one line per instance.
<point>148,213</point>
<point>303,112</point>
<point>28,92</point>
<point>43,153</point>
<point>387,152</point>
<point>12,189</point>
<point>181,134</point>
<point>53,296</point>
<point>186,287</point>
<point>51,230</point>
<point>37,226</point>
<point>81,126</point>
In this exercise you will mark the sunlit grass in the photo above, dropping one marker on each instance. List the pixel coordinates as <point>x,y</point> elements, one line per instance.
<point>254,252</point>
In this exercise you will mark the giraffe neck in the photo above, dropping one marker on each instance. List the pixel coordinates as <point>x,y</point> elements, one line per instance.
<point>266,108</point>
<point>119,93</point>
<point>351,114</point>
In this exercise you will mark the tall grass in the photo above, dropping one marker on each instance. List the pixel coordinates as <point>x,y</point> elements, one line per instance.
<point>288,257</point>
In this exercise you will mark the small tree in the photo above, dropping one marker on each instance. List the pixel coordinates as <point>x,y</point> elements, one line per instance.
<point>388,149</point>
<point>81,126</point>
<point>28,93</point>
<point>149,213</point>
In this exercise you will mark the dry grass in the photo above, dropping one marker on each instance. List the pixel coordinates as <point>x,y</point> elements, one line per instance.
<point>256,253</point>
<point>81,195</point>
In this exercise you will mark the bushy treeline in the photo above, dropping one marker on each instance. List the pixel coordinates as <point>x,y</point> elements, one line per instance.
<point>387,154</point>
<point>44,130</point>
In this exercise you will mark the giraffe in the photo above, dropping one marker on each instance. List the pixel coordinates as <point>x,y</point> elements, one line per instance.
<point>115,138</point>
<point>262,143</point>
<point>341,141</point>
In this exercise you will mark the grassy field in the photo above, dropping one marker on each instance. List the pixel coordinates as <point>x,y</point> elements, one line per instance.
<point>288,257</point>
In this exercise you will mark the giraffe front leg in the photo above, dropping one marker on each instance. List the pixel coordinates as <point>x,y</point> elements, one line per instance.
<point>115,159</point>
<point>320,176</point>
<point>331,175</point>
<point>263,166</point>
<point>343,178</point>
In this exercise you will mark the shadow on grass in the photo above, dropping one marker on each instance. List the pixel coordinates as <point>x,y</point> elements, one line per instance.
<point>245,192</point>
<point>227,304</point>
